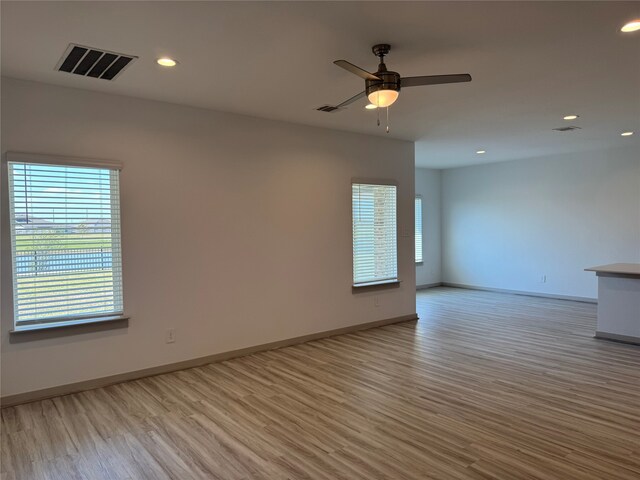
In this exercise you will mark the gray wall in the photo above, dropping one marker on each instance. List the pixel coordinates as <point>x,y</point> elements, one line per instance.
<point>506,225</point>
<point>236,230</point>
<point>428,182</point>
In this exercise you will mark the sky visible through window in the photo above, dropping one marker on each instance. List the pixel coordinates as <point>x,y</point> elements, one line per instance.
<point>60,194</point>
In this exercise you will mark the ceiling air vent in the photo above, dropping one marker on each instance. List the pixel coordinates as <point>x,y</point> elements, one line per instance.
<point>93,62</point>
<point>327,108</point>
<point>566,129</point>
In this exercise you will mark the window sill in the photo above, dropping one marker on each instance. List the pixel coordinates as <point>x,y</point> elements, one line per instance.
<point>365,287</point>
<point>48,330</point>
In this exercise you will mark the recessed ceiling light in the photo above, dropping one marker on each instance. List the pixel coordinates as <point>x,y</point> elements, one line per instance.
<point>480,152</point>
<point>570,117</point>
<point>167,62</point>
<point>631,26</point>
<point>626,134</point>
<point>371,106</point>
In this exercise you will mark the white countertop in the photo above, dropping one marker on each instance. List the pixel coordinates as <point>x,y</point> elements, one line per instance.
<point>625,269</point>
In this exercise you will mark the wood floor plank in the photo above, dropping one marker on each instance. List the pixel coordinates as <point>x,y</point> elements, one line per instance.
<point>484,386</point>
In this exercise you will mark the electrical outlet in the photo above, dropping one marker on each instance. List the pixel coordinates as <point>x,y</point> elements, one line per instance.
<point>543,279</point>
<point>376,300</point>
<point>171,335</point>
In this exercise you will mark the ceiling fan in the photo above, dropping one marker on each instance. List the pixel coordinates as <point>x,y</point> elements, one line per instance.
<point>382,87</point>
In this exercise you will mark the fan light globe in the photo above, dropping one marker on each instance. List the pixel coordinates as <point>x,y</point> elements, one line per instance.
<point>383,98</point>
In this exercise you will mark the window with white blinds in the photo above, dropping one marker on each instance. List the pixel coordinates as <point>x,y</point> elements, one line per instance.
<point>65,243</point>
<point>418,213</point>
<point>375,246</point>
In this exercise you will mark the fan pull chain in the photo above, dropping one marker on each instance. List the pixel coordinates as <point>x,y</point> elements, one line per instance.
<point>387,119</point>
<point>378,113</point>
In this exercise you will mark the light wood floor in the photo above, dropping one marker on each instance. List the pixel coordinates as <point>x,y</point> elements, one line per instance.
<point>485,385</point>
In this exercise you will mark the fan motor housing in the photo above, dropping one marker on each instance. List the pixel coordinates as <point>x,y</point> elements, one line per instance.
<point>388,81</point>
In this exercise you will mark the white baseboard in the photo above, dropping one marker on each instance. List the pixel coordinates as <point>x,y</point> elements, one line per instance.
<point>521,292</point>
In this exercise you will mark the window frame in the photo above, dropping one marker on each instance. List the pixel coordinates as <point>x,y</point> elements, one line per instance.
<point>72,320</point>
<point>382,283</point>
<point>415,228</point>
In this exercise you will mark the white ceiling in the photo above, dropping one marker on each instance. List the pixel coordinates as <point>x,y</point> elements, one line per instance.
<point>531,62</point>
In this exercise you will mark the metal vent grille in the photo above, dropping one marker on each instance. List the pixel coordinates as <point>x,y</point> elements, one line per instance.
<point>566,129</point>
<point>93,62</point>
<point>327,108</point>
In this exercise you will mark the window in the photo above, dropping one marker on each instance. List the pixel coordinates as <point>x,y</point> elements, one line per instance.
<point>375,247</point>
<point>418,229</point>
<point>65,243</point>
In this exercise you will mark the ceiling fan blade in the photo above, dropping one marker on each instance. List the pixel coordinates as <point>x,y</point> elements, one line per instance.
<point>434,80</point>
<point>351,100</point>
<point>350,67</point>
<point>331,108</point>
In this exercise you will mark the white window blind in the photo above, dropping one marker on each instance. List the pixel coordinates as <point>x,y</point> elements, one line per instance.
<point>418,229</point>
<point>375,246</point>
<point>65,242</point>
